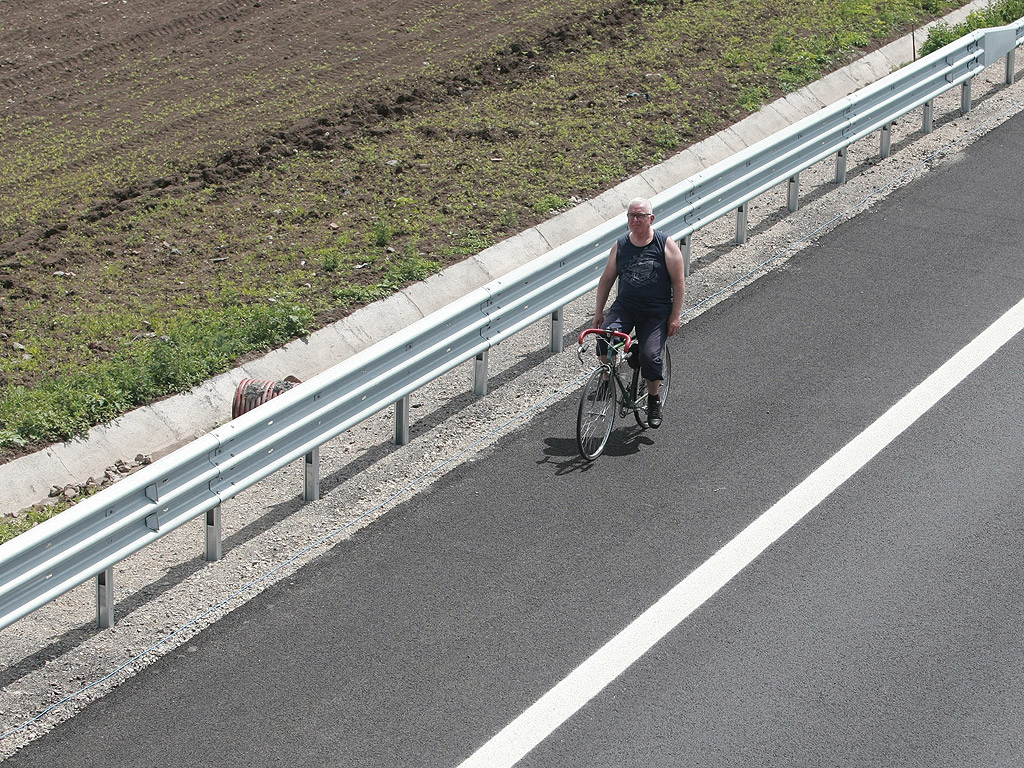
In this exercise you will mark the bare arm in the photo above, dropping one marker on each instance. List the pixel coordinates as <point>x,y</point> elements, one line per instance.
<point>604,285</point>
<point>674,263</point>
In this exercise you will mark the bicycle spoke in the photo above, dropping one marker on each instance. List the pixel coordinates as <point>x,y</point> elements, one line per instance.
<point>596,415</point>
<point>638,390</point>
<point>666,372</point>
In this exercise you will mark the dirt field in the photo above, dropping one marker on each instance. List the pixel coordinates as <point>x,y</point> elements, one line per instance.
<point>142,140</point>
<point>209,94</point>
<point>83,66</point>
<point>164,160</point>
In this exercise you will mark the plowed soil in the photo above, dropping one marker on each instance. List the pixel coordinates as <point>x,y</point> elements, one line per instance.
<point>113,109</point>
<point>152,151</point>
<point>247,82</point>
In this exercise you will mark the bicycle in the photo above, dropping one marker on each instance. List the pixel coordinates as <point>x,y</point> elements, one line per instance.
<point>606,393</point>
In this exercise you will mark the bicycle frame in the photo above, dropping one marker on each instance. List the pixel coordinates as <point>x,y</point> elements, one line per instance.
<point>619,346</point>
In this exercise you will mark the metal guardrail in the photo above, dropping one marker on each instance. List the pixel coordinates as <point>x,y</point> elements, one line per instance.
<point>87,540</point>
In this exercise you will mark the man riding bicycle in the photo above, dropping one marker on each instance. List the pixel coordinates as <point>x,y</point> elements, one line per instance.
<point>649,267</point>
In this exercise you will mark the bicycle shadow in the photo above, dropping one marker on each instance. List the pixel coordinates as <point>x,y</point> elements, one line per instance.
<point>563,454</point>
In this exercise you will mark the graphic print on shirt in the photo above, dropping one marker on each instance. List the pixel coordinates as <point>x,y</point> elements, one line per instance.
<point>641,271</point>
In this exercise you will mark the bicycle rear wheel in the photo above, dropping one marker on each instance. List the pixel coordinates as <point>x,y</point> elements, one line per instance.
<point>596,415</point>
<point>638,390</point>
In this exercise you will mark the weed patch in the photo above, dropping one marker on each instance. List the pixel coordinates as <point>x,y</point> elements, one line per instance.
<point>997,14</point>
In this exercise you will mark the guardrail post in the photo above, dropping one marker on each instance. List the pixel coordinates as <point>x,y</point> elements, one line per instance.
<point>402,421</point>
<point>929,112</point>
<point>558,330</point>
<point>480,373</point>
<point>965,97</point>
<point>841,165</point>
<point>105,598</point>
<point>793,198</point>
<point>213,537</point>
<point>742,214</point>
<point>1011,66</point>
<point>684,246</point>
<point>311,475</point>
<point>885,145</point>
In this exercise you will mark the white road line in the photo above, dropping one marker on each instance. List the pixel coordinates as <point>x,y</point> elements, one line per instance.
<point>587,680</point>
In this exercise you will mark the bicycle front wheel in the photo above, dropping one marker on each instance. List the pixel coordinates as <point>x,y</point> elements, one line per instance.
<point>638,391</point>
<point>596,415</point>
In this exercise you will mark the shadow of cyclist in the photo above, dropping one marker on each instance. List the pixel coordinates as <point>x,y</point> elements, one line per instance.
<point>564,455</point>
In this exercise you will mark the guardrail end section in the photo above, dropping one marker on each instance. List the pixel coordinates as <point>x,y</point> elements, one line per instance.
<point>998,42</point>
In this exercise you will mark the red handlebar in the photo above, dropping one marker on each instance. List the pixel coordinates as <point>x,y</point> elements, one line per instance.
<point>624,336</point>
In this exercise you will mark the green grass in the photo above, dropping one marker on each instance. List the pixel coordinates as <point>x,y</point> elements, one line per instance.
<point>9,528</point>
<point>996,14</point>
<point>186,351</point>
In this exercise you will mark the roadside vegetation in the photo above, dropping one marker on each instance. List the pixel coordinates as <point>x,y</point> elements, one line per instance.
<point>996,14</point>
<point>131,280</point>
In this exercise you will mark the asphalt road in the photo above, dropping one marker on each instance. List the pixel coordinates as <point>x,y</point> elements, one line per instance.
<point>882,629</point>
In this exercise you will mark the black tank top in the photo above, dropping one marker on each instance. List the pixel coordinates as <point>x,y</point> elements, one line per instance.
<point>644,282</point>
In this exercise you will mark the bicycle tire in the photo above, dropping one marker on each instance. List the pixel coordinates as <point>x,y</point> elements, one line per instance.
<point>596,415</point>
<point>638,389</point>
